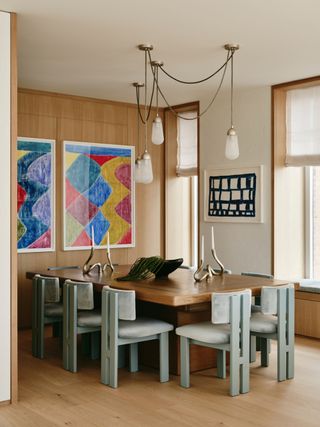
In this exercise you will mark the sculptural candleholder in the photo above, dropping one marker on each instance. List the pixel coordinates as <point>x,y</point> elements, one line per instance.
<point>200,274</point>
<point>208,273</point>
<point>108,265</point>
<point>87,268</point>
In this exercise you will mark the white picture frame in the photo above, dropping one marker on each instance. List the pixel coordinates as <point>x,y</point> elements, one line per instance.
<point>52,144</point>
<point>66,246</point>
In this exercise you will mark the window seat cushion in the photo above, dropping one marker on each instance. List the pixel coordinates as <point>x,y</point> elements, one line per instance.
<point>308,285</point>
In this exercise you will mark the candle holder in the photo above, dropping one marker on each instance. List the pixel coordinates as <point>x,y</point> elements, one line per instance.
<point>108,265</point>
<point>208,273</point>
<point>87,268</point>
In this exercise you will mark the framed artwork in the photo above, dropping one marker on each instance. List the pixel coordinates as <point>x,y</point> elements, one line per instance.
<point>98,195</point>
<point>36,194</point>
<point>233,195</point>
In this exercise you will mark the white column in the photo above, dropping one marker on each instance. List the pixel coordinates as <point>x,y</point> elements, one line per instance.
<point>5,178</point>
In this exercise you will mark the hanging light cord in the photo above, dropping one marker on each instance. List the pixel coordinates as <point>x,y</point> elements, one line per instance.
<point>196,81</point>
<point>229,55</point>
<point>146,114</point>
<point>231,103</point>
<point>150,105</point>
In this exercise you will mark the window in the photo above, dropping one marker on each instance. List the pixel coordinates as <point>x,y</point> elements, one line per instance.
<point>296,195</point>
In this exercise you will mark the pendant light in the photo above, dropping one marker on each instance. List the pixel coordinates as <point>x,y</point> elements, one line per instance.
<point>157,136</point>
<point>232,145</point>
<point>143,168</point>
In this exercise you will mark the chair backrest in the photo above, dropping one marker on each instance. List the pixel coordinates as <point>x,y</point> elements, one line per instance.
<point>64,267</point>
<point>81,293</point>
<point>252,273</point>
<point>125,300</point>
<point>48,287</point>
<point>270,296</point>
<point>223,304</point>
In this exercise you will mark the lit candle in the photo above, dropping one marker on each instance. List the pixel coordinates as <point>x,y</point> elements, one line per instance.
<point>92,236</point>
<point>108,242</point>
<point>202,247</point>
<point>212,238</point>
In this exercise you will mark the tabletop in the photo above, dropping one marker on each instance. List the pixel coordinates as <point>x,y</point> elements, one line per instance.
<point>178,289</point>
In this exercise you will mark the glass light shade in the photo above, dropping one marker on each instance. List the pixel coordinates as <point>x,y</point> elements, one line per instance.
<point>146,170</point>
<point>157,137</point>
<point>137,170</point>
<point>232,145</point>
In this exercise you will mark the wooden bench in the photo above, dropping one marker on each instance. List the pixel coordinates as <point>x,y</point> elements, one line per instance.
<point>307,309</point>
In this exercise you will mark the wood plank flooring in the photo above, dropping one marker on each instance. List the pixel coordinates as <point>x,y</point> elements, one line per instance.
<point>50,396</point>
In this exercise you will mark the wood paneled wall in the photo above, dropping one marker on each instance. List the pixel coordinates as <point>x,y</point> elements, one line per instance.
<point>63,117</point>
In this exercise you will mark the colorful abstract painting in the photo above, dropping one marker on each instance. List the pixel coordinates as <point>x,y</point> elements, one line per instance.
<point>35,220</point>
<point>98,195</point>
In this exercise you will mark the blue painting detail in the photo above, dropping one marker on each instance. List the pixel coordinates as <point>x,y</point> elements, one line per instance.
<point>100,225</point>
<point>81,181</point>
<point>99,192</point>
<point>232,195</point>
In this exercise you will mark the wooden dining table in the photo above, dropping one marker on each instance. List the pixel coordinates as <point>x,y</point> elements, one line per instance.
<point>177,299</point>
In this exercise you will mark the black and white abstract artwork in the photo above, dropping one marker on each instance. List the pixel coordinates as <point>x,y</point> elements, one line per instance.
<point>233,195</point>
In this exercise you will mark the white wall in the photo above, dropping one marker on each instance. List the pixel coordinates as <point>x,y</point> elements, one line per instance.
<point>5,178</point>
<point>241,247</point>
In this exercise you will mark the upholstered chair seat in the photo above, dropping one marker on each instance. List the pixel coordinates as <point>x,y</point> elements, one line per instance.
<point>142,327</point>
<point>263,323</point>
<point>53,310</point>
<point>206,332</point>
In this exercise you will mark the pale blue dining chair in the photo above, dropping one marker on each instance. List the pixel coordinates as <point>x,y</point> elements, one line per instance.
<point>228,331</point>
<point>275,321</point>
<point>256,307</point>
<point>46,309</point>
<point>120,326</point>
<point>79,317</point>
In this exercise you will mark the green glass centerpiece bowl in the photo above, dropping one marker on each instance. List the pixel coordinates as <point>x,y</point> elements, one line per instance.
<point>169,266</point>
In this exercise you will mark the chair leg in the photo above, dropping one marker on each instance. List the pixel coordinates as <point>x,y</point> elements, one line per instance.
<point>264,352</point>
<point>105,359</point>
<point>133,365</point>
<point>253,346</point>
<point>164,357</point>
<point>95,345</point>
<point>258,344</point>
<point>85,344</point>
<point>73,353</point>
<point>113,366</point>
<point>184,362</point>
<point>234,373</point>
<point>221,364</point>
<point>56,329</point>
<point>290,335</point>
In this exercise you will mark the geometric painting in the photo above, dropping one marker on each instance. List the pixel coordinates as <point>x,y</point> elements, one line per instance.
<point>233,195</point>
<point>98,196</point>
<point>35,176</point>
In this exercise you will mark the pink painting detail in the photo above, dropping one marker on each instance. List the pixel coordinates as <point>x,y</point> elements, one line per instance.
<point>71,193</point>
<point>123,173</point>
<point>82,210</point>
<point>123,209</point>
<point>44,241</point>
<point>127,238</point>
<point>82,240</point>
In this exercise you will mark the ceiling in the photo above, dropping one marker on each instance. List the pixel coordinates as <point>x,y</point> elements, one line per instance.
<point>89,47</point>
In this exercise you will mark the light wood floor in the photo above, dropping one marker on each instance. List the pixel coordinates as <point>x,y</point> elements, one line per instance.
<point>50,396</point>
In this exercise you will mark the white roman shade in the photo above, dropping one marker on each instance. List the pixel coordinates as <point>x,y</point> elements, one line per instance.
<point>187,139</point>
<point>303,127</point>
